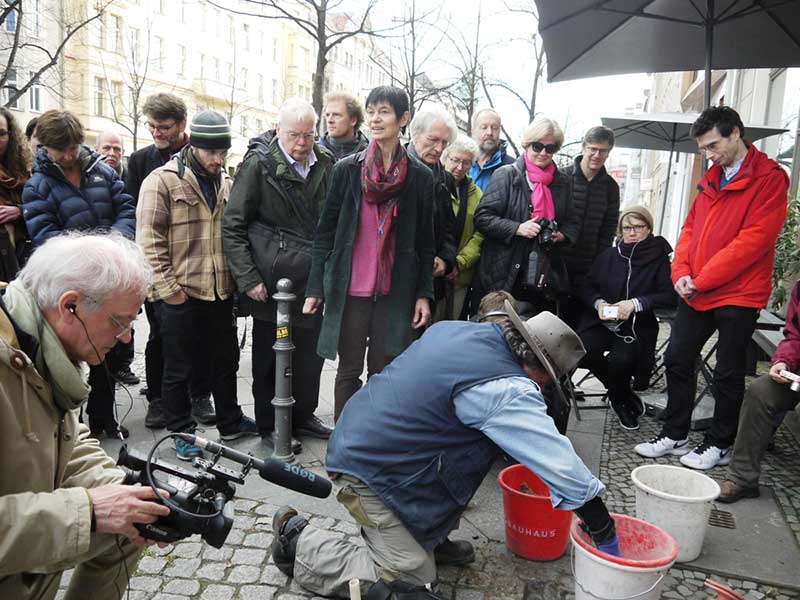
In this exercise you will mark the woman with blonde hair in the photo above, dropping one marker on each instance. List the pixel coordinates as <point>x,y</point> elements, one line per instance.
<point>15,166</point>
<point>523,214</point>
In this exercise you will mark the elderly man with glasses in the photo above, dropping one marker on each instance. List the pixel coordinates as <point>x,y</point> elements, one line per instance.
<point>281,184</point>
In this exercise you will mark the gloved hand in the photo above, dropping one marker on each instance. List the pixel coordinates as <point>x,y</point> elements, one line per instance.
<point>610,546</point>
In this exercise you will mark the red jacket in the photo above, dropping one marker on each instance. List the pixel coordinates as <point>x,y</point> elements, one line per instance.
<point>727,243</point>
<point>788,351</point>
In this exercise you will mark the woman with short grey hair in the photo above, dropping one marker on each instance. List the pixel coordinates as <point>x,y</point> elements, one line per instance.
<point>465,196</point>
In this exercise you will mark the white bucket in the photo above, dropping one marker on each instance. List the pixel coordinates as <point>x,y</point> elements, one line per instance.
<point>677,500</point>
<point>647,555</point>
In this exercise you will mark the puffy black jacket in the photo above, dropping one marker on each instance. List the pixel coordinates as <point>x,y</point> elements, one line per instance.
<point>51,204</point>
<point>505,204</point>
<point>594,214</point>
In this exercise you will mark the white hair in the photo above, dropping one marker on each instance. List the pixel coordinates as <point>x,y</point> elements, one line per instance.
<point>296,109</point>
<point>424,120</point>
<point>96,265</point>
<point>106,133</point>
<point>462,143</point>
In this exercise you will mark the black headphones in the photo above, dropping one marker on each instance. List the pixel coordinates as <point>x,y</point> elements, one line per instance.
<point>72,308</point>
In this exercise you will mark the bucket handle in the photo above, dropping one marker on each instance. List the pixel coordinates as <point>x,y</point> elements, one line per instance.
<point>585,591</point>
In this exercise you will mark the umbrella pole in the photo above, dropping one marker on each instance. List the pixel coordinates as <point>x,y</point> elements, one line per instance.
<point>709,50</point>
<point>666,190</point>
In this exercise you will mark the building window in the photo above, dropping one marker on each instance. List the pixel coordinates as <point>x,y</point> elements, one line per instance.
<point>35,96</point>
<point>36,24</point>
<point>117,107</point>
<point>275,92</point>
<point>231,33</point>
<point>216,69</point>
<point>259,126</point>
<point>246,37</point>
<point>134,41</point>
<point>260,91</point>
<point>243,126</point>
<point>99,97</point>
<point>100,31</point>
<point>158,53</point>
<point>245,77</point>
<point>11,89</point>
<point>202,66</point>
<point>10,24</point>
<point>185,13</point>
<point>306,59</point>
<point>182,60</point>
<point>115,34</point>
<point>274,49</point>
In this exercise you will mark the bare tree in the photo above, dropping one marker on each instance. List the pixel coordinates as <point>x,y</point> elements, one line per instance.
<point>488,95</point>
<point>126,108</point>
<point>415,45</point>
<point>24,53</point>
<point>313,18</point>
<point>537,60</point>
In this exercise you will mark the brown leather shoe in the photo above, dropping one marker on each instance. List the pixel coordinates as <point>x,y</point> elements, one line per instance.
<point>731,492</point>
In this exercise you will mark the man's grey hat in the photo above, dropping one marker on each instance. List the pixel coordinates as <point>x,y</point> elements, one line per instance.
<point>557,347</point>
<point>210,130</point>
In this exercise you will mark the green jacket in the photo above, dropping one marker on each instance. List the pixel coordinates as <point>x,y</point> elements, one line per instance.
<point>258,194</point>
<point>469,246</point>
<point>332,256</point>
<point>49,459</point>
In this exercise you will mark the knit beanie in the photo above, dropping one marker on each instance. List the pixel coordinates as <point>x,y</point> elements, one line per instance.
<point>210,130</point>
<point>637,211</point>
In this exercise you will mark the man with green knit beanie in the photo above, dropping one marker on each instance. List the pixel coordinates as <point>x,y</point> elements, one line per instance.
<point>179,204</point>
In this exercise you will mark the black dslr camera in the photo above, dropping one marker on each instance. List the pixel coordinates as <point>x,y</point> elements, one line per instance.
<point>546,241</point>
<point>198,498</point>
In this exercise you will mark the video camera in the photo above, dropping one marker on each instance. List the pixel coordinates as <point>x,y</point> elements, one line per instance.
<point>198,499</point>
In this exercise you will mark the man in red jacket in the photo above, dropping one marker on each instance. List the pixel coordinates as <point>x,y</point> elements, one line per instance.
<point>765,401</point>
<point>722,271</point>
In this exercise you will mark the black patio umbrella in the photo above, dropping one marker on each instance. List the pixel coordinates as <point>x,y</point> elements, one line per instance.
<point>589,38</point>
<point>668,131</point>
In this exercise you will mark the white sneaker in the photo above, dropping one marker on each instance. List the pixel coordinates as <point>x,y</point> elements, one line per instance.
<point>661,446</point>
<point>706,456</point>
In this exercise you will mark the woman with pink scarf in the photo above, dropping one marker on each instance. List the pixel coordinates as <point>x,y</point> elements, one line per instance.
<point>510,216</point>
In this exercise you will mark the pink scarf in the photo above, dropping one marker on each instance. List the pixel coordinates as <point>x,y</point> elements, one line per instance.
<point>540,180</point>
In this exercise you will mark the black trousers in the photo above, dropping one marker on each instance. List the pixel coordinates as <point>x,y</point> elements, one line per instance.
<point>615,369</point>
<point>306,371</point>
<point>690,331</point>
<point>200,383</point>
<point>121,355</point>
<point>195,334</point>
<point>100,404</point>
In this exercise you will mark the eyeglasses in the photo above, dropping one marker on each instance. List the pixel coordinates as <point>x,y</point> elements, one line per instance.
<point>459,162</point>
<point>123,329</point>
<point>598,151</point>
<point>294,136</point>
<point>549,148</point>
<point>159,128</point>
<point>632,228</point>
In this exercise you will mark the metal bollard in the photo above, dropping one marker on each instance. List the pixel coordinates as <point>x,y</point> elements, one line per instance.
<point>283,400</point>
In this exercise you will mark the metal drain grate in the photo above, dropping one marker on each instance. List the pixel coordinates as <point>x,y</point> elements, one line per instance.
<point>721,518</point>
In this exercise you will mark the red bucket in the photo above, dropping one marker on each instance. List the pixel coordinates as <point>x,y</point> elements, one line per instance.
<point>534,529</point>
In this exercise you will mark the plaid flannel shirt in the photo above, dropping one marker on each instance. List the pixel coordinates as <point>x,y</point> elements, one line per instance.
<point>181,237</point>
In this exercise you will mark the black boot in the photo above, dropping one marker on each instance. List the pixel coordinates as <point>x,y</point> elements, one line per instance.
<point>286,528</point>
<point>454,553</point>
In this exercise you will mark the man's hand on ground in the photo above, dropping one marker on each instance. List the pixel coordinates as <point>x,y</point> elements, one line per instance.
<point>258,293</point>
<point>117,507</point>
<point>422,313</point>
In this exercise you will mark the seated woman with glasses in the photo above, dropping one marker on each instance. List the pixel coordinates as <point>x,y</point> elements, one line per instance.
<point>519,202</point>
<point>623,287</point>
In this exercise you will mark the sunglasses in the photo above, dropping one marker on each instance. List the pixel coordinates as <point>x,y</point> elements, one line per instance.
<point>549,148</point>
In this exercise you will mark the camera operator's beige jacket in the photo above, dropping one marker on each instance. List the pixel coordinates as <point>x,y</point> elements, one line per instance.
<point>47,459</point>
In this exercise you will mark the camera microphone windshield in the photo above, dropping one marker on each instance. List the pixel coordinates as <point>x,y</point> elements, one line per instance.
<point>275,471</point>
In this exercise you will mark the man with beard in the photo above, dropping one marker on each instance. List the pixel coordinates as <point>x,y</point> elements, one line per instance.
<point>486,127</point>
<point>179,227</point>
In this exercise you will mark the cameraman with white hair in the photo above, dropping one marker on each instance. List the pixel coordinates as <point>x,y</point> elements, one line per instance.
<point>62,504</point>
